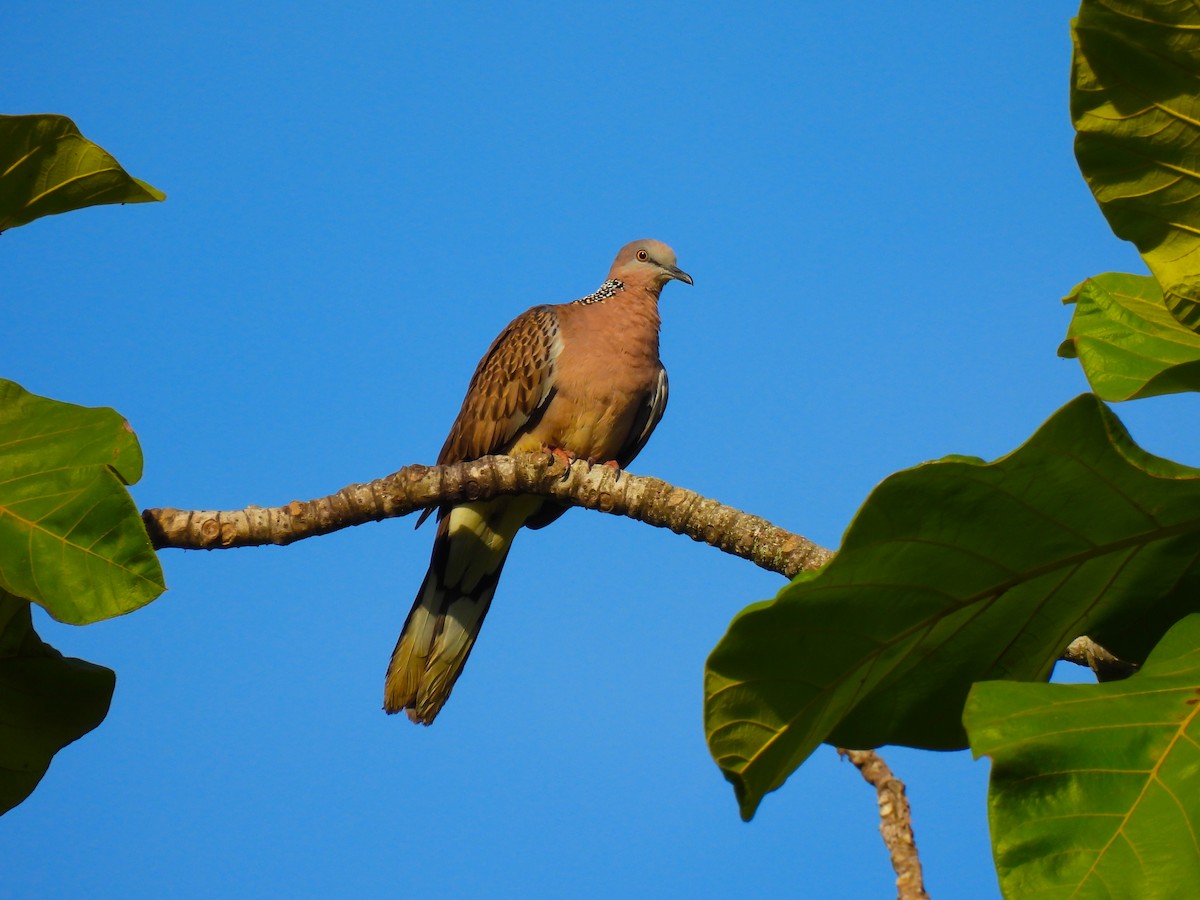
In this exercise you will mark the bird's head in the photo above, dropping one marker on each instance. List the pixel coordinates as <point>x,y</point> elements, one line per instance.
<point>647,263</point>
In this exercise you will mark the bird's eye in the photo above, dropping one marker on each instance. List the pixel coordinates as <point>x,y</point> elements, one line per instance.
<point>643,255</point>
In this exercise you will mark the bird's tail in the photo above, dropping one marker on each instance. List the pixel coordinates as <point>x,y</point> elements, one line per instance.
<point>469,551</point>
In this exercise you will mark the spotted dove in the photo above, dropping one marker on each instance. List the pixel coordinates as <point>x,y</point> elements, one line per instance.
<point>581,378</point>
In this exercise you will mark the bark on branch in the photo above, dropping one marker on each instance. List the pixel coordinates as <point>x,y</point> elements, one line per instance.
<point>648,500</point>
<point>415,488</point>
<point>895,822</point>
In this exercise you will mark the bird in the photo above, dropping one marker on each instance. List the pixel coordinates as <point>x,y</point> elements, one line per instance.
<point>582,380</point>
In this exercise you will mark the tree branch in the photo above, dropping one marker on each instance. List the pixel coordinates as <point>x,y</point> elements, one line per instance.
<point>648,500</point>
<point>895,822</point>
<point>415,488</point>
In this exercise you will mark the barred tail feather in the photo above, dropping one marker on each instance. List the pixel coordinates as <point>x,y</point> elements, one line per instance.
<point>433,647</point>
<point>469,551</point>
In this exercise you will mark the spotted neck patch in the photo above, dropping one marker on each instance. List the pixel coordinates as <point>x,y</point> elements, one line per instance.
<point>606,290</point>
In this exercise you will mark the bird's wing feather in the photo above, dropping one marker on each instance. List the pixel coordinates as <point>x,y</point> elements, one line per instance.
<point>649,415</point>
<point>509,392</point>
<point>510,389</point>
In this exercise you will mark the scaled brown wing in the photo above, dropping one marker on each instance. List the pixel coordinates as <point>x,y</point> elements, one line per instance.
<point>509,392</point>
<point>510,389</point>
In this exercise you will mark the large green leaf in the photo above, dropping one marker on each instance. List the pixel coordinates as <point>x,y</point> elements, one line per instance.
<point>1095,788</point>
<point>1127,341</point>
<point>46,701</point>
<point>71,538</point>
<point>954,572</point>
<point>48,167</point>
<point>1135,102</point>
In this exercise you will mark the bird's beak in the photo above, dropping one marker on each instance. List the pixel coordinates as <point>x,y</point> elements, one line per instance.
<point>678,273</point>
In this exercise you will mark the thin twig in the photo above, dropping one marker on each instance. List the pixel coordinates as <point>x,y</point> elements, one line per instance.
<point>895,822</point>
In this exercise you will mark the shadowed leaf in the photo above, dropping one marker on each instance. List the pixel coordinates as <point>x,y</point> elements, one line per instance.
<point>1095,788</point>
<point>71,538</point>
<point>1127,341</point>
<point>951,573</point>
<point>1136,109</point>
<point>47,167</point>
<point>46,701</point>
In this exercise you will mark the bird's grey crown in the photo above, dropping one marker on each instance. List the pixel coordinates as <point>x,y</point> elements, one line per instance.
<point>606,290</point>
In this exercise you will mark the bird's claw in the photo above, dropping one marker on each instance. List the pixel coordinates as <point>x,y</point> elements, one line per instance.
<point>609,463</point>
<point>566,456</point>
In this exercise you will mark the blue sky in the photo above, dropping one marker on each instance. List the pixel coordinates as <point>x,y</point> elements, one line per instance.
<point>881,210</point>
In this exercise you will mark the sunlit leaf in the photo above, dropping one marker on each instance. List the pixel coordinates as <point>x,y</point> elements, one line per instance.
<point>1095,788</point>
<point>954,572</point>
<point>46,701</point>
<point>48,167</point>
<point>71,538</point>
<point>1136,108</point>
<point>1127,341</point>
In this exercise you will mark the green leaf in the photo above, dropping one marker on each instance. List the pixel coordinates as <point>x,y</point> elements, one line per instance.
<point>71,538</point>
<point>1127,341</point>
<point>1136,109</point>
<point>951,573</point>
<point>46,701</point>
<point>47,167</point>
<point>1095,788</point>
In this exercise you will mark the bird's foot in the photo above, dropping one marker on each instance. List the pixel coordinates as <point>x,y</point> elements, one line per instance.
<point>566,456</point>
<point>609,463</point>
